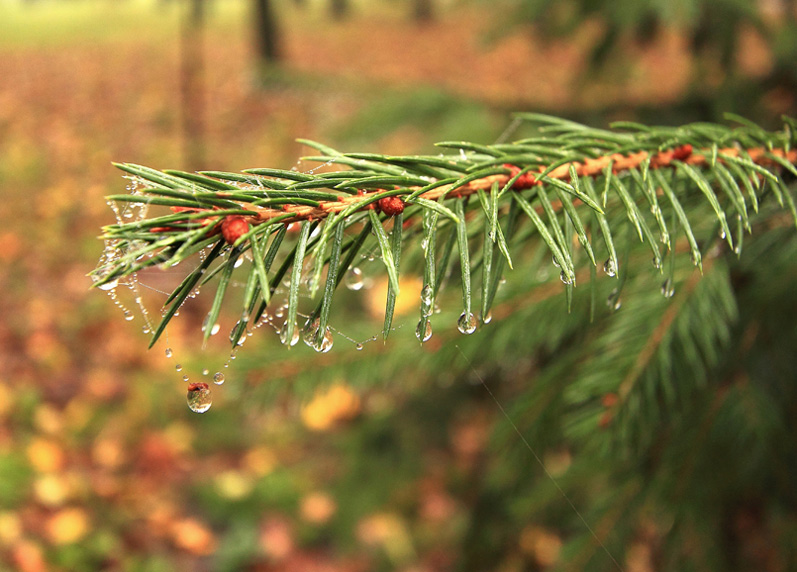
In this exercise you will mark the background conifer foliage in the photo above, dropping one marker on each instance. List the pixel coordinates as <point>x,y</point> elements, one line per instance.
<point>446,286</point>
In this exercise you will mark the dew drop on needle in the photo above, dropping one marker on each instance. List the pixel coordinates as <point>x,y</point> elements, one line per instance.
<point>424,334</point>
<point>218,378</point>
<point>109,285</point>
<point>466,324</point>
<point>667,288</point>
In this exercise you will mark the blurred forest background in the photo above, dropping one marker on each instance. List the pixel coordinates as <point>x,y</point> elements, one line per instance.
<point>389,458</point>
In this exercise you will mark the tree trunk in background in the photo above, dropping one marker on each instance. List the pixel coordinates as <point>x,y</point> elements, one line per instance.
<point>192,89</point>
<point>266,36</point>
<point>423,12</point>
<point>339,9</point>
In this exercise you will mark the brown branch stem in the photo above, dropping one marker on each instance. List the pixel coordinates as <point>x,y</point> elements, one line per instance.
<point>589,167</point>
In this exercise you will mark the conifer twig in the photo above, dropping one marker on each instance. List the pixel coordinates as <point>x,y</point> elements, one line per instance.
<point>675,171</point>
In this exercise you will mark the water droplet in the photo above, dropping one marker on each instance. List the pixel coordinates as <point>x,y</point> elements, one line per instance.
<point>185,378</point>
<point>214,330</point>
<point>326,342</point>
<point>179,367</point>
<point>656,263</point>
<point>169,353</point>
<point>466,324</point>
<point>205,371</point>
<point>667,288</point>
<point>284,335</point>
<point>354,279</point>
<point>555,262</point>
<point>488,317</point>
<point>423,334</point>
<point>109,285</point>
<point>218,378</point>
<point>722,234</point>
<point>128,315</point>
<point>609,267</point>
<point>613,301</point>
<point>564,278</point>
<point>426,294</point>
<point>311,335</point>
<point>145,329</point>
<point>199,397</point>
<point>359,347</point>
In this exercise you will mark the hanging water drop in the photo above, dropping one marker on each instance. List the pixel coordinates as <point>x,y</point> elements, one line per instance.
<point>179,367</point>
<point>205,371</point>
<point>354,279</point>
<point>238,262</point>
<point>169,353</point>
<point>199,397</point>
<point>488,317</point>
<point>359,346</point>
<point>311,337</point>
<point>555,262</point>
<point>109,285</point>
<point>218,378</point>
<point>326,342</point>
<point>613,301</point>
<point>564,278</point>
<point>284,335</point>
<point>609,267</point>
<point>426,294</point>
<point>423,334</point>
<point>656,263</point>
<point>466,324</point>
<point>667,288</point>
<point>214,329</point>
<point>128,315</point>
<point>185,378</point>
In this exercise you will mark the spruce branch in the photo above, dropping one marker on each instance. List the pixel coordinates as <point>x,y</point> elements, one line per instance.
<point>567,182</point>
